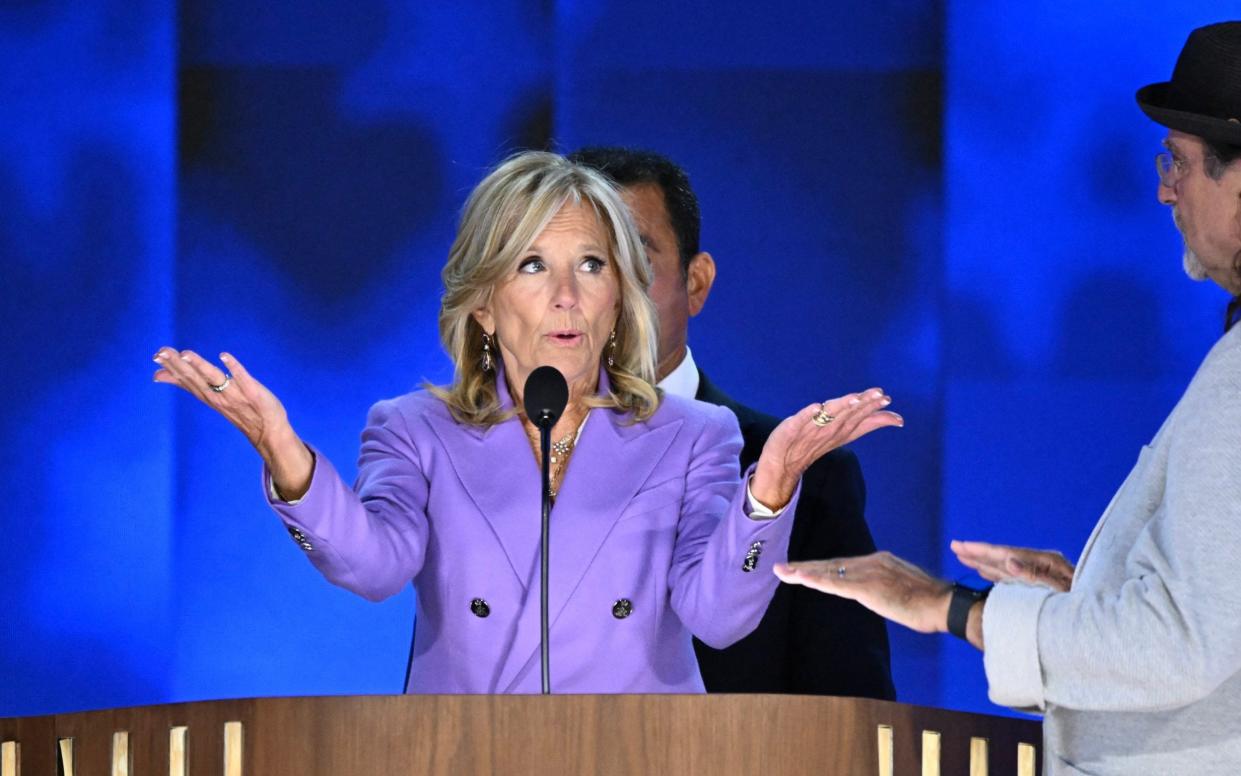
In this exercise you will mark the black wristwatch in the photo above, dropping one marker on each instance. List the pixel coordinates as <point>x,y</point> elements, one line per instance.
<point>959,607</point>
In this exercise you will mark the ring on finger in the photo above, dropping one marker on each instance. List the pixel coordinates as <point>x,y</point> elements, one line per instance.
<point>840,572</point>
<point>821,418</point>
<point>220,388</point>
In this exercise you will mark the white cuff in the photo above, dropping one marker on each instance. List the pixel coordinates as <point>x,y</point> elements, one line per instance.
<point>759,510</point>
<point>275,497</point>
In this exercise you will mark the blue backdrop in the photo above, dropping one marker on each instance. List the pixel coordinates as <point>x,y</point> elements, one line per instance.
<point>952,200</point>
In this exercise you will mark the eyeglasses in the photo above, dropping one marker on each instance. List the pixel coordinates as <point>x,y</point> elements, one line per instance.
<point>1170,168</point>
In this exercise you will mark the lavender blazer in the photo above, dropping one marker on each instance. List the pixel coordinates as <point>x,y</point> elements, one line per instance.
<point>651,512</point>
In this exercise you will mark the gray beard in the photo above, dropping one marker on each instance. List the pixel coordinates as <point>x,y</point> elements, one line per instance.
<point>1193,265</point>
<point>1189,260</point>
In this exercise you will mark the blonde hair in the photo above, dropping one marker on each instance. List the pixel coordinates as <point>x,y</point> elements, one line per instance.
<point>504,214</point>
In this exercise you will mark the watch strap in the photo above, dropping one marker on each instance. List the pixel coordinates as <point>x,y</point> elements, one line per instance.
<point>963,598</point>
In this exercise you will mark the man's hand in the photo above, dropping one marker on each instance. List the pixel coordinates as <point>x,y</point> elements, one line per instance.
<point>1001,563</point>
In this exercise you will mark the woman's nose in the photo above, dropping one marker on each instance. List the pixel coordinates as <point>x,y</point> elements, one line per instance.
<point>566,295</point>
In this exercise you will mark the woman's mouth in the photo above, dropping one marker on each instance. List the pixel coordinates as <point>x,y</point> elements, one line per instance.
<point>565,337</point>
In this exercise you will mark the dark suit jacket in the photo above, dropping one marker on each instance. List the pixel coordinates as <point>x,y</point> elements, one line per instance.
<point>808,642</point>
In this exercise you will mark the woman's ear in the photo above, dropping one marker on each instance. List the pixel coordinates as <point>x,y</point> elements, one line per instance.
<point>482,316</point>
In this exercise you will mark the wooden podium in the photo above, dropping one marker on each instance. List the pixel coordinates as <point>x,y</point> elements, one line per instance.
<point>561,735</point>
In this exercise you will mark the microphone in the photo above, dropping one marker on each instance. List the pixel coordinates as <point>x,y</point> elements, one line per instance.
<point>544,398</point>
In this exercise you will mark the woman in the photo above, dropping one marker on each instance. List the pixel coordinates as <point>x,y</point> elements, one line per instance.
<point>653,535</point>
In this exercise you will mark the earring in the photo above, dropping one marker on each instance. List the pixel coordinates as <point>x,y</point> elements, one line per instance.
<point>486,352</point>
<point>612,349</point>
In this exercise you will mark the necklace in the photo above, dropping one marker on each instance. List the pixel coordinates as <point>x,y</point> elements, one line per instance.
<point>560,451</point>
<point>563,447</point>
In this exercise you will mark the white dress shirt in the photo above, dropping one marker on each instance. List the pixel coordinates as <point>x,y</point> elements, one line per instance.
<point>682,381</point>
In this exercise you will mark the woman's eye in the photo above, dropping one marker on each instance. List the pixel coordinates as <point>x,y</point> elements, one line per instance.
<point>530,266</point>
<point>593,264</point>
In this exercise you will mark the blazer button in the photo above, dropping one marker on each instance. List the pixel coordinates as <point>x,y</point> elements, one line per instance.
<point>479,607</point>
<point>622,608</point>
<point>300,539</point>
<point>751,557</point>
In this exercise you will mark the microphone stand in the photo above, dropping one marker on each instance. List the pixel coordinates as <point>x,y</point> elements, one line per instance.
<point>545,398</point>
<point>545,445</point>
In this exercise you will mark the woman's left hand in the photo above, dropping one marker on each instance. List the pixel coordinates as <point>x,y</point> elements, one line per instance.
<point>890,587</point>
<point>801,440</point>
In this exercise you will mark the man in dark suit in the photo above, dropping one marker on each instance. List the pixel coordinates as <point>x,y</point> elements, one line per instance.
<point>807,642</point>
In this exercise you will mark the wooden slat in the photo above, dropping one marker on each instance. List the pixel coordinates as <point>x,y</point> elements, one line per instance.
<point>233,741</point>
<point>120,753</point>
<point>33,740</point>
<point>64,748</point>
<point>1025,759</point>
<point>978,756</point>
<point>178,743</point>
<point>930,753</point>
<point>10,758</point>
<point>885,750</point>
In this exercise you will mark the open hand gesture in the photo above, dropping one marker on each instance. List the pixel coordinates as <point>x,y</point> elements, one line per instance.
<point>1001,563</point>
<point>803,438</point>
<point>248,405</point>
<point>893,588</point>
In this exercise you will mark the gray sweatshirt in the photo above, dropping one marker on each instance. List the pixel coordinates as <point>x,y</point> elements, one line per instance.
<point>1138,667</point>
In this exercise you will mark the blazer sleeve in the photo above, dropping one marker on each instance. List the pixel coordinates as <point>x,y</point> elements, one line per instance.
<point>370,539</point>
<point>1170,634</point>
<point>715,592</point>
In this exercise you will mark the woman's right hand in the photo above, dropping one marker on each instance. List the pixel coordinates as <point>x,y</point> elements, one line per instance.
<point>248,405</point>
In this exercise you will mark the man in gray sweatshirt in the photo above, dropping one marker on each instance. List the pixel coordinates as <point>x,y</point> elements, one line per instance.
<point>1134,656</point>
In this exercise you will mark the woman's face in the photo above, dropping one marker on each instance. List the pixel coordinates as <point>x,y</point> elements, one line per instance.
<point>558,303</point>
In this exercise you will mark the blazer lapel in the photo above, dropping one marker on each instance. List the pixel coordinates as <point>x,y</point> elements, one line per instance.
<point>609,464</point>
<point>499,474</point>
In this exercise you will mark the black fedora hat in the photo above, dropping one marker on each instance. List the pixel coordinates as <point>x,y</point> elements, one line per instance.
<point>1204,96</point>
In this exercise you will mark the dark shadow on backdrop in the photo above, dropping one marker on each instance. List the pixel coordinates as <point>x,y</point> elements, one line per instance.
<point>291,33</point>
<point>328,201</point>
